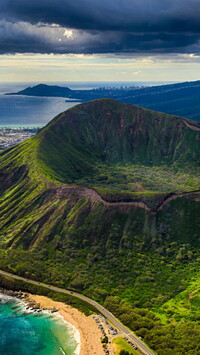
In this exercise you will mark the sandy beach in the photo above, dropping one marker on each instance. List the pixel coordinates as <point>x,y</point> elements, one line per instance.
<point>90,335</point>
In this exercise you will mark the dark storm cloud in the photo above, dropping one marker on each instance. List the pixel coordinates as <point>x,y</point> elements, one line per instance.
<point>122,15</point>
<point>106,26</point>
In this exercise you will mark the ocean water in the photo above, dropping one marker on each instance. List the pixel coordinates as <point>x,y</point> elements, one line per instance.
<point>28,112</point>
<point>23,333</point>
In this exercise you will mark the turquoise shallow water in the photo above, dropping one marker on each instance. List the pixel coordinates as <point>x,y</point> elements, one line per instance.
<point>23,333</point>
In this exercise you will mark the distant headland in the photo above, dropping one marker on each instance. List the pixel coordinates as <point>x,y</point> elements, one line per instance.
<point>182,99</point>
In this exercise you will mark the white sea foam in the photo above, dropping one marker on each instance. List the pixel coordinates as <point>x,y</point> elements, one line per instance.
<point>62,351</point>
<point>25,308</point>
<point>23,305</point>
<point>4,298</point>
<point>73,331</point>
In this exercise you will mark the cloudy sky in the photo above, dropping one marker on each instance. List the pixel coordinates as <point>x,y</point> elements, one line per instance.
<point>85,40</point>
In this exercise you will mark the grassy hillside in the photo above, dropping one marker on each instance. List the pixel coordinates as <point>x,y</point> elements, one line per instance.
<point>139,260</point>
<point>107,143</point>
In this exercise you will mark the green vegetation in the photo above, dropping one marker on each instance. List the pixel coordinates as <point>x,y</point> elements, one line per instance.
<point>16,285</point>
<point>142,266</point>
<point>124,352</point>
<point>104,340</point>
<point>123,348</point>
<point>122,151</point>
<point>141,182</point>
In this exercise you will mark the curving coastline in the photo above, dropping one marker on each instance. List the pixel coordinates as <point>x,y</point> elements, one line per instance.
<point>143,348</point>
<point>85,330</point>
<point>72,331</point>
<point>22,307</point>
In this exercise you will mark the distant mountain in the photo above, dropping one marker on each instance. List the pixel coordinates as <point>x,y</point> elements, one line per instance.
<point>44,90</point>
<point>105,200</point>
<point>181,99</point>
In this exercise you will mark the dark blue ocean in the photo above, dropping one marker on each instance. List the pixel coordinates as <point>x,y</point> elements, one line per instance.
<point>26,333</point>
<point>26,111</point>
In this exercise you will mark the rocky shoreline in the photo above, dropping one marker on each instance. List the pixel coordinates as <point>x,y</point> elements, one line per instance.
<point>24,304</point>
<point>85,330</point>
<point>30,305</point>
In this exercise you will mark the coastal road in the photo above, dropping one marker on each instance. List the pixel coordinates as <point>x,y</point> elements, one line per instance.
<point>110,317</point>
